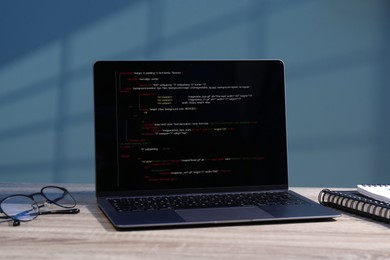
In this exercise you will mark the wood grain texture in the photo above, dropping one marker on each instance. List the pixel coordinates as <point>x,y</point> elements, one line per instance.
<point>89,235</point>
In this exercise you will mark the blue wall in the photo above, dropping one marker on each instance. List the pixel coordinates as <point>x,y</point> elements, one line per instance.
<point>337,65</point>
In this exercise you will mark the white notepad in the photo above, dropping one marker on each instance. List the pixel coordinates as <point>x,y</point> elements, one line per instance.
<point>375,191</point>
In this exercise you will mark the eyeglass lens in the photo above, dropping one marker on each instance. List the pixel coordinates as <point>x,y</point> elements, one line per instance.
<point>58,196</point>
<point>20,208</point>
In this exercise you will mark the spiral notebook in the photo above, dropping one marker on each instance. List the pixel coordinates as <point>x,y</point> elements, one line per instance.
<point>354,202</point>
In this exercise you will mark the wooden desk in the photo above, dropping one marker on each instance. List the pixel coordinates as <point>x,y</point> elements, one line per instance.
<point>89,235</point>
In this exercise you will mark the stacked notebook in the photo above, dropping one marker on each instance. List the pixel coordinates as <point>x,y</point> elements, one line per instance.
<point>371,201</point>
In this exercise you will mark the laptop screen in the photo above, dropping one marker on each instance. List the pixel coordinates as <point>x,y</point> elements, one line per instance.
<point>168,125</point>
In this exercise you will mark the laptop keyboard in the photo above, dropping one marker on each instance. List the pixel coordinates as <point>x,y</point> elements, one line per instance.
<point>204,201</point>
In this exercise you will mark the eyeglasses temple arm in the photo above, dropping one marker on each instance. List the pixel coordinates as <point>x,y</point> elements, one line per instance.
<point>61,211</point>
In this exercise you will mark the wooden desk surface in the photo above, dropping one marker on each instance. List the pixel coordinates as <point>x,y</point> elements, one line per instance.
<point>89,235</point>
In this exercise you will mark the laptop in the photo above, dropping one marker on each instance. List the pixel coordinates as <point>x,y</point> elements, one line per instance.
<point>194,142</point>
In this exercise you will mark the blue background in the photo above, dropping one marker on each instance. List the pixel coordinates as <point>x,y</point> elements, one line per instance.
<point>337,71</point>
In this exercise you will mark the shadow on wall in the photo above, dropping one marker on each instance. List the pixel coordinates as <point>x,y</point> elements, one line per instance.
<point>46,93</point>
<point>336,66</point>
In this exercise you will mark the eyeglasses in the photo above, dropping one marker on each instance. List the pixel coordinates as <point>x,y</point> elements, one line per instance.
<point>22,208</point>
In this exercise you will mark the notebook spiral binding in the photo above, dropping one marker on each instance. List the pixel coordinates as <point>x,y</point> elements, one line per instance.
<point>355,204</point>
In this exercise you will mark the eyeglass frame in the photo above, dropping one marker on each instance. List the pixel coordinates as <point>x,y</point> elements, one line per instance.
<point>66,210</point>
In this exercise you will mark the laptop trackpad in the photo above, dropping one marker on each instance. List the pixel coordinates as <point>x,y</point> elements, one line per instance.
<point>223,214</point>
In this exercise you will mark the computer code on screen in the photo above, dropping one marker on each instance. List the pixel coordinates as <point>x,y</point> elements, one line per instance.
<point>191,124</point>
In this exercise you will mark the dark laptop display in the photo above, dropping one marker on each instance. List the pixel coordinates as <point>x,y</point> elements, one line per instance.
<point>188,127</point>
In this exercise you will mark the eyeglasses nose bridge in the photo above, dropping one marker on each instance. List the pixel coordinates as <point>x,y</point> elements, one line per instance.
<point>48,204</point>
<point>35,207</point>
